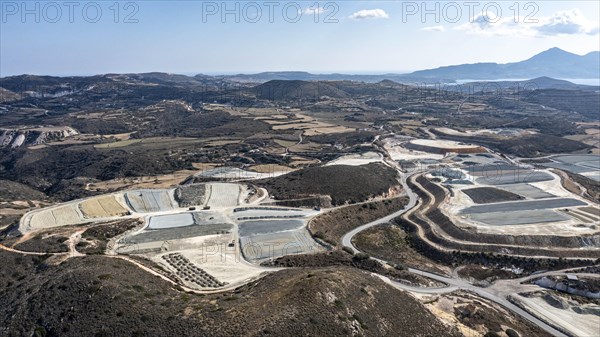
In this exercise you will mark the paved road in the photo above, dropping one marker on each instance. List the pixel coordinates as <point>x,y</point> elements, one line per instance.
<point>412,201</point>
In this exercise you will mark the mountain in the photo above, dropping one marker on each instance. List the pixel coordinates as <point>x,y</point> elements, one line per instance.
<point>305,76</point>
<point>532,84</point>
<point>553,62</point>
<point>285,90</point>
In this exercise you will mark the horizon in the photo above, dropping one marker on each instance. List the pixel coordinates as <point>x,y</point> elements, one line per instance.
<point>354,37</point>
<point>349,73</point>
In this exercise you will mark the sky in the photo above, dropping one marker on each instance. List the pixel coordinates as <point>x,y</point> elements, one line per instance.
<point>226,37</point>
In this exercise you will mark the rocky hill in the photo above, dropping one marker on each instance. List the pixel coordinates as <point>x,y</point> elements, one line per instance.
<point>15,138</point>
<point>102,296</point>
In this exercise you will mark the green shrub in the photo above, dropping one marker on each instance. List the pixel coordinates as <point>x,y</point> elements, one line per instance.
<point>512,333</point>
<point>491,334</point>
<point>361,256</point>
<point>348,250</point>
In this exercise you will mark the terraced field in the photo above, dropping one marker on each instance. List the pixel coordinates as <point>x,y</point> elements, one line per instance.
<point>102,207</point>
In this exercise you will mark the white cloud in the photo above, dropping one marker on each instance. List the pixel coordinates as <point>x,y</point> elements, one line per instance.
<point>369,14</point>
<point>567,22</point>
<point>571,22</point>
<point>313,11</point>
<point>434,29</point>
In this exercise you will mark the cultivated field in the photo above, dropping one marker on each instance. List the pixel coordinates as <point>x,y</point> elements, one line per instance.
<point>102,207</point>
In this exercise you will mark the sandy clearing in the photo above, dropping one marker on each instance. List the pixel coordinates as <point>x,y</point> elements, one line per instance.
<point>213,254</point>
<point>357,159</point>
<point>442,144</point>
<point>158,181</point>
<point>398,152</point>
<point>497,132</point>
<point>552,186</point>
<point>270,168</point>
<point>327,130</point>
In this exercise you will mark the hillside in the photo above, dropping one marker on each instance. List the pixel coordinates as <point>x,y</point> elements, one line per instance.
<point>553,62</point>
<point>100,296</point>
<point>11,191</point>
<point>341,182</point>
<point>539,83</point>
<point>277,90</point>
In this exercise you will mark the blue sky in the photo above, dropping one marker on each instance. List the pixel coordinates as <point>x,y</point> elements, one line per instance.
<point>368,36</point>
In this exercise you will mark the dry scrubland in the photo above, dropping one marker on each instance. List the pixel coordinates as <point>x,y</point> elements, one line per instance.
<point>112,290</point>
<point>343,183</point>
<point>475,316</point>
<point>389,242</point>
<point>332,225</point>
